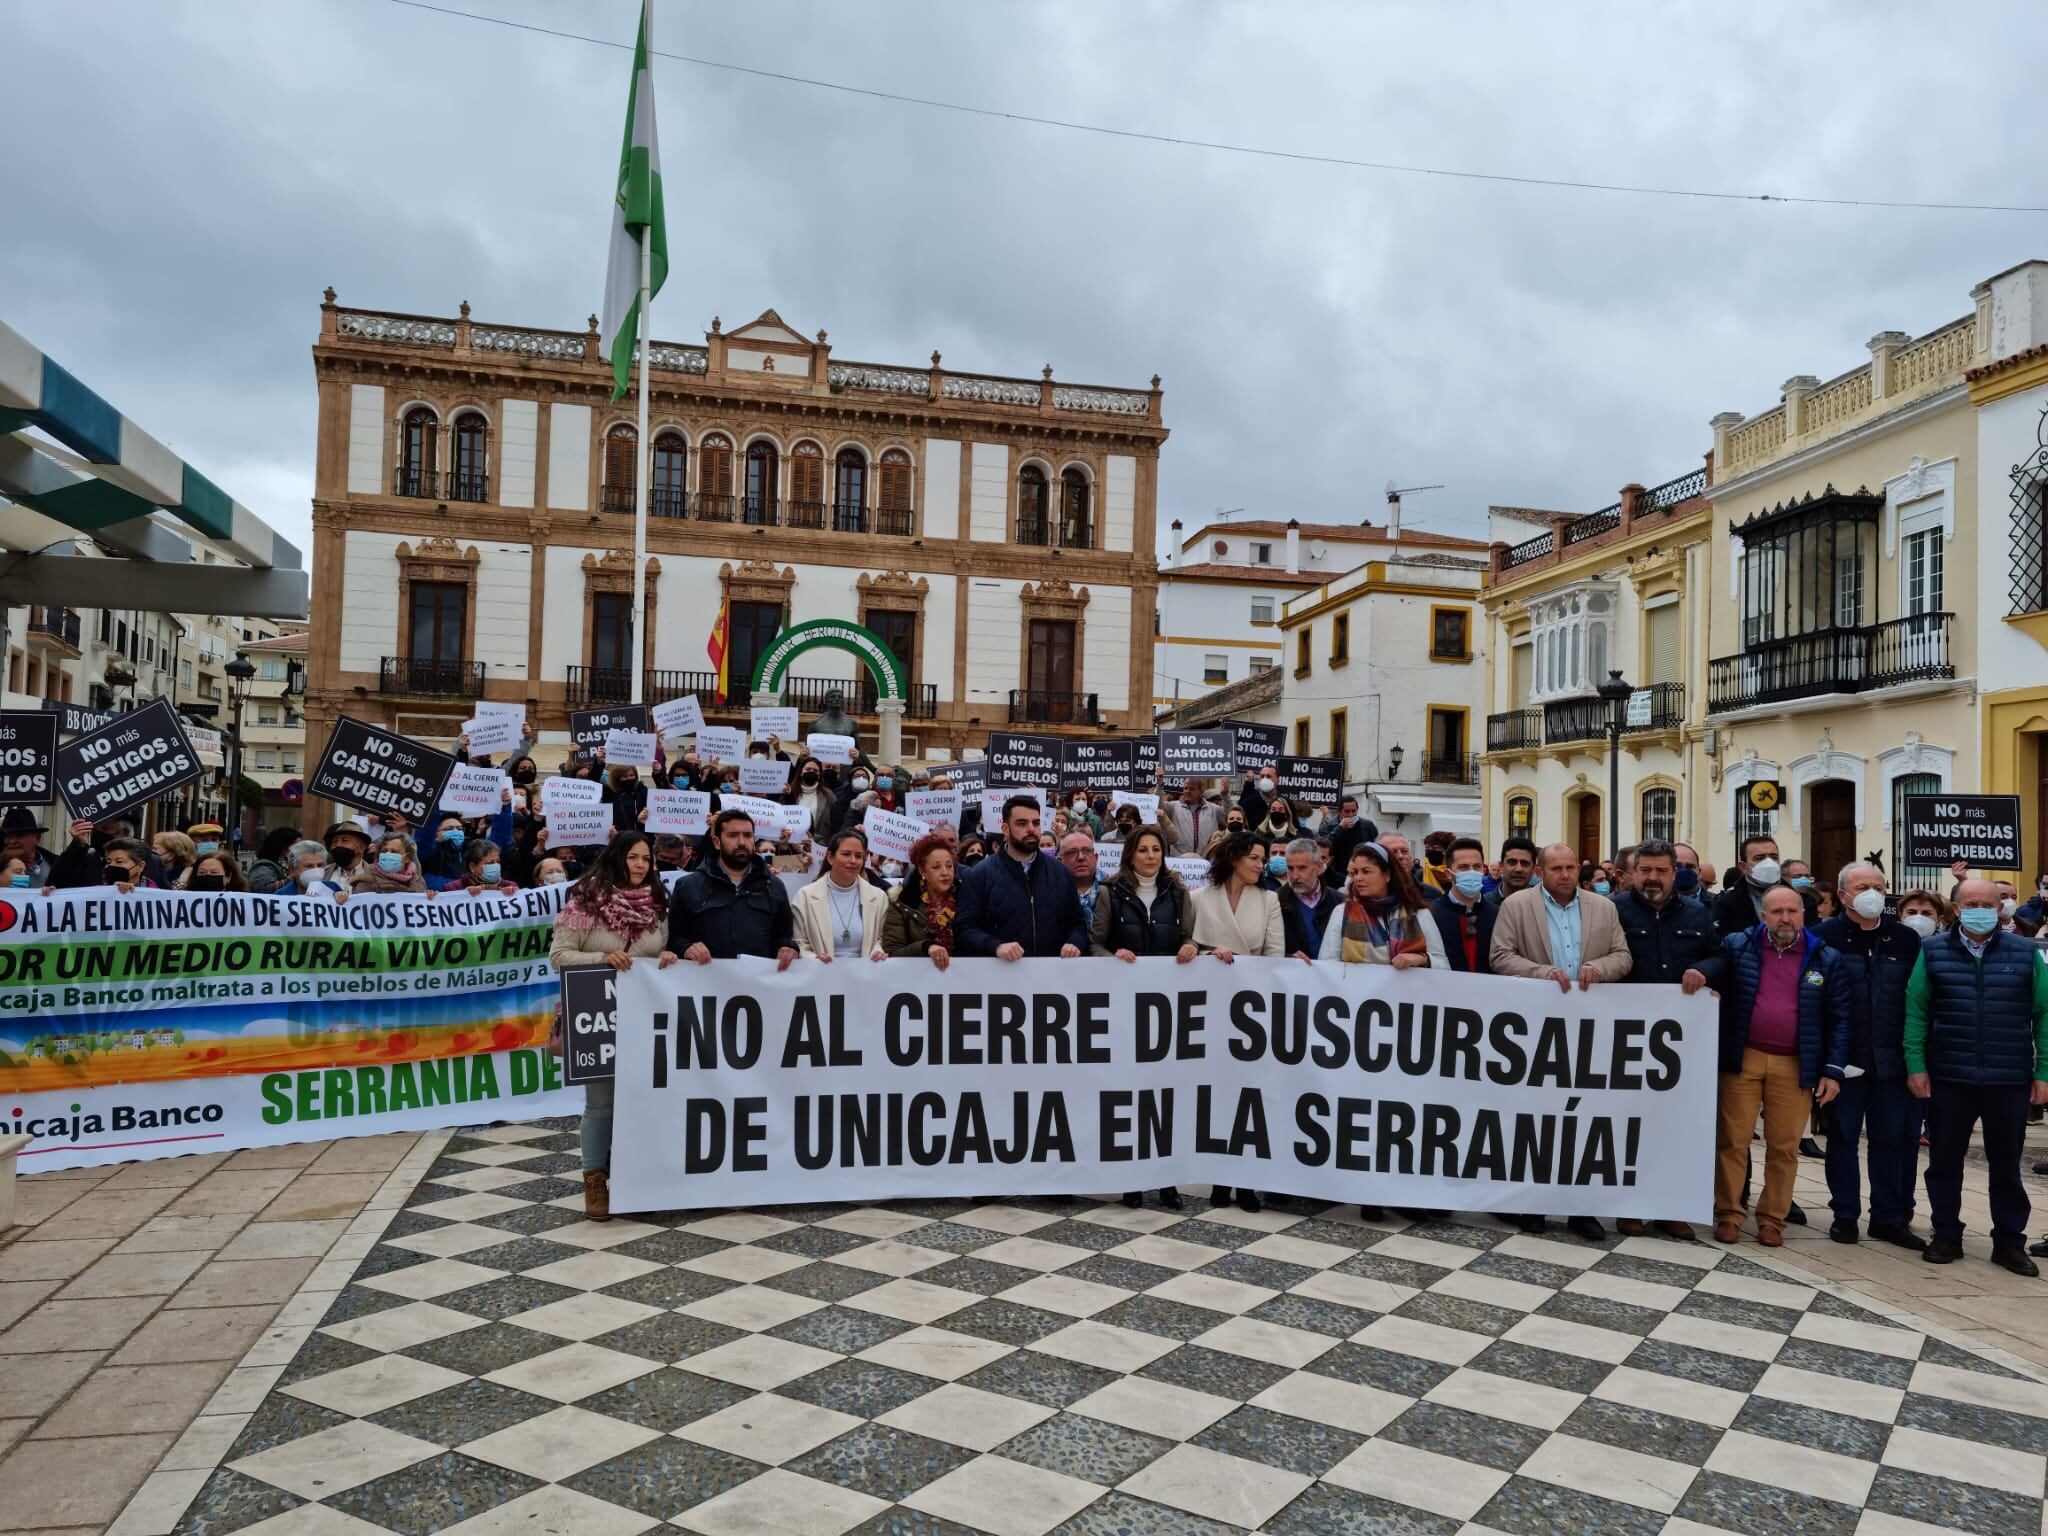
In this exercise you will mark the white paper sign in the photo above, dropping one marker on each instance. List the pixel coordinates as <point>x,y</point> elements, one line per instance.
<point>891,835</point>
<point>992,807</point>
<point>681,812</point>
<point>830,749</point>
<point>575,826</point>
<point>1194,873</point>
<point>767,814</point>
<point>777,720</point>
<point>934,805</point>
<point>679,717</point>
<point>475,791</point>
<point>721,744</point>
<point>1148,805</point>
<point>796,823</point>
<point>629,749</point>
<point>770,776</point>
<point>1109,858</point>
<point>556,791</point>
<point>493,735</point>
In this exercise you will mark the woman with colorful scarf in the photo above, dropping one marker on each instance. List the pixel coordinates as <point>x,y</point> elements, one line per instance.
<point>1385,920</point>
<point>920,916</point>
<point>394,867</point>
<point>614,916</point>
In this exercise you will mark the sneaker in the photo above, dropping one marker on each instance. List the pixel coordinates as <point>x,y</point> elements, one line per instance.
<point>2016,1260</point>
<point>1587,1227</point>
<point>1899,1235</point>
<point>597,1194</point>
<point>1943,1250</point>
<point>1842,1231</point>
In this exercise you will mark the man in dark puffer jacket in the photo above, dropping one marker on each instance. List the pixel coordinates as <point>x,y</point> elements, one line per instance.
<point>1977,1049</point>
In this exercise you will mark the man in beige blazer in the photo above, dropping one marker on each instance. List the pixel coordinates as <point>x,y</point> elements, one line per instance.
<point>1553,931</point>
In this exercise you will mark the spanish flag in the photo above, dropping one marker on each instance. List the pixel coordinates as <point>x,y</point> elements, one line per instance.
<point>719,646</point>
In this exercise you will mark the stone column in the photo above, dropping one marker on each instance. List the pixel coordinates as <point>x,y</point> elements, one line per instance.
<point>1884,351</point>
<point>889,722</point>
<point>1797,388</point>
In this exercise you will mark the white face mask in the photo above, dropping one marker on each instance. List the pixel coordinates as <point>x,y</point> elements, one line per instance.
<point>555,877</point>
<point>308,878</point>
<point>1267,786</point>
<point>1765,872</point>
<point>1869,904</point>
<point>1921,924</point>
<point>2007,907</point>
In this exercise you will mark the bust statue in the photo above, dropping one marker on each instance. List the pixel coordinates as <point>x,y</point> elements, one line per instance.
<point>835,721</point>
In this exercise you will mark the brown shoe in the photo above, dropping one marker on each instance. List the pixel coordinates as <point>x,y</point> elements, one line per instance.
<point>597,1194</point>
<point>1727,1231</point>
<point>1679,1231</point>
<point>1629,1226</point>
<point>1771,1237</point>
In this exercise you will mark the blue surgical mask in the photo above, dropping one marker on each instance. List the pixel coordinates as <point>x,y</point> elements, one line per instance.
<point>493,873</point>
<point>1601,887</point>
<point>19,882</point>
<point>1277,864</point>
<point>1978,921</point>
<point>203,849</point>
<point>1687,879</point>
<point>452,836</point>
<point>885,782</point>
<point>391,863</point>
<point>1470,882</point>
<point>1800,882</point>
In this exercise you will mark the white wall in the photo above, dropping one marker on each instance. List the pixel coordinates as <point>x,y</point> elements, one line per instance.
<point>1119,502</point>
<point>995,623</point>
<point>1199,612</point>
<point>989,496</point>
<point>690,595</point>
<point>1106,647</point>
<point>940,606</point>
<point>504,600</point>
<point>2006,435</point>
<point>941,488</point>
<point>366,439</point>
<point>518,436</point>
<point>569,457</point>
<point>369,600</point>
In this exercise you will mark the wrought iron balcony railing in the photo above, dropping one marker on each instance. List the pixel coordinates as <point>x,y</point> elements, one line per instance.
<point>437,679</point>
<point>1041,706</point>
<point>1514,731</point>
<point>1908,650</point>
<point>409,480</point>
<point>469,487</point>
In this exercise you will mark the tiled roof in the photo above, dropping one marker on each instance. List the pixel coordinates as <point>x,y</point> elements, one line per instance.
<point>1267,575</point>
<point>1355,533</point>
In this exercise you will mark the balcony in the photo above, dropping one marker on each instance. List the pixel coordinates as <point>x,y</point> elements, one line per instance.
<point>806,514</point>
<point>1829,661</point>
<point>1038,706</point>
<point>1462,769</point>
<point>709,507</point>
<point>590,686</point>
<point>615,498</point>
<point>894,522</point>
<point>58,625</point>
<point>408,480</point>
<point>1517,730</point>
<point>849,517</point>
<point>668,501</point>
<point>759,511</point>
<point>807,695</point>
<point>1585,719</point>
<point>432,679</point>
<point>469,487</point>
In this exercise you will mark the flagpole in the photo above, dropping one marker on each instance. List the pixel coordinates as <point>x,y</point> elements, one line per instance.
<point>640,477</point>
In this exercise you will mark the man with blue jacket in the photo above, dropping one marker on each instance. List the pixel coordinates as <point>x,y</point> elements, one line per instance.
<point>1784,1045</point>
<point>1976,1048</point>
<point>1878,954</point>
<point>1015,904</point>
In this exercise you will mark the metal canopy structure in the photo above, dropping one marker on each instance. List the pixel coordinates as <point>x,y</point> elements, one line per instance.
<point>122,488</point>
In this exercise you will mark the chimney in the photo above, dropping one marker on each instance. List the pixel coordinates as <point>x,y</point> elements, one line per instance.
<point>1294,546</point>
<point>1394,517</point>
<point>1173,546</point>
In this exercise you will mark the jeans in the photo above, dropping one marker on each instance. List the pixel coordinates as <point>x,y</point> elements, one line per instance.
<point>1952,1110</point>
<point>1773,1082</point>
<point>1886,1110</point>
<point>597,1126</point>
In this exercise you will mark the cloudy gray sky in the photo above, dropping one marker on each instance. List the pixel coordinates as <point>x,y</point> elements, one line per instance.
<point>182,179</point>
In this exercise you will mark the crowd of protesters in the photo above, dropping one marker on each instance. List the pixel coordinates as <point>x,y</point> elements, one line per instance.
<point>1887,1021</point>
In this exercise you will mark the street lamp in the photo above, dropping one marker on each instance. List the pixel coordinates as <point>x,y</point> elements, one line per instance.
<point>1615,690</point>
<point>241,672</point>
<point>1394,761</point>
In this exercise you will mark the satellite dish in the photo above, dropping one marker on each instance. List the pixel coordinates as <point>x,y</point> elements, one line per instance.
<point>1222,547</point>
<point>1391,487</point>
<point>1317,549</point>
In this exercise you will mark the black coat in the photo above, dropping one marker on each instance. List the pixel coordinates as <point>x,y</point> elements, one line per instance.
<point>1122,922</point>
<point>1878,962</point>
<point>1738,909</point>
<point>1304,930</point>
<point>1445,913</point>
<point>751,918</point>
<point>1667,942</point>
<point>1004,902</point>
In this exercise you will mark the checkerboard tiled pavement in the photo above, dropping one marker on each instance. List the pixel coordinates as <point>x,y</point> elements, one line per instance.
<point>948,1367</point>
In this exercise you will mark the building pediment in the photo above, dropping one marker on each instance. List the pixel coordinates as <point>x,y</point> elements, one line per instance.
<point>770,327</point>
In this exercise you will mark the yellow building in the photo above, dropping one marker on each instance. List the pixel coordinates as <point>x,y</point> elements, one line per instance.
<point>1851,608</point>
<point>1611,592</point>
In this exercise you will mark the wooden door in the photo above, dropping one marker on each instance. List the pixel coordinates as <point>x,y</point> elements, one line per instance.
<point>1831,827</point>
<point>1589,827</point>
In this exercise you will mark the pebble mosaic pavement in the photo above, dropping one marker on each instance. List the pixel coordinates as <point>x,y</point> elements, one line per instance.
<point>499,1365</point>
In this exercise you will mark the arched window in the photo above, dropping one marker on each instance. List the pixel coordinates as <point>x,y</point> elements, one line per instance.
<point>621,468</point>
<point>419,452</point>
<point>714,478</point>
<point>894,512</point>
<point>670,495</point>
<point>1076,529</point>
<point>806,486</point>
<point>1033,524</point>
<point>1660,814</point>
<point>470,474</point>
<point>764,482</point>
<point>850,491</point>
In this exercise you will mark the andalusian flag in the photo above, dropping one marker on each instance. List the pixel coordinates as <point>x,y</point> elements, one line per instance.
<point>719,646</point>
<point>636,214</point>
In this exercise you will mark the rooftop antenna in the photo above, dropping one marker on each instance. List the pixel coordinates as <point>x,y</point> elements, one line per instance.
<point>1394,495</point>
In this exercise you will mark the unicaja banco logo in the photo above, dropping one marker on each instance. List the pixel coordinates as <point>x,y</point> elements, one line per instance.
<point>77,1123</point>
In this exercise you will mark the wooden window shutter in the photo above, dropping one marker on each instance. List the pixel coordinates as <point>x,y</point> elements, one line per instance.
<point>1662,630</point>
<point>807,474</point>
<point>895,483</point>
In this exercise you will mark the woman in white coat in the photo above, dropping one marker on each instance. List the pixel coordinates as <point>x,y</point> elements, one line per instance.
<point>839,915</point>
<point>1235,916</point>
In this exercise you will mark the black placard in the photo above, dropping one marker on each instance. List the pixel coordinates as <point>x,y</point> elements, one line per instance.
<point>1257,745</point>
<point>1099,764</point>
<point>590,1024</point>
<point>1015,758</point>
<point>1983,830</point>
<point>1145,764</point>
<point>1310,780</point>
<point>28,750</point>
<point>77,719</point>
<point>376,770</point>
<point>587,727</point>
<point>969,778</point>
<point>1198,754</point>
<point>133,758</point>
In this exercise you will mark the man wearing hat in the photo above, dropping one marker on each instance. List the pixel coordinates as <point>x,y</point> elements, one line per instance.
<point>21,837</point>
<point>346,842</point>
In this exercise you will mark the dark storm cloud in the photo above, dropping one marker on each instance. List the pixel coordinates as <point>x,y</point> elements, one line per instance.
<point>184,179</point>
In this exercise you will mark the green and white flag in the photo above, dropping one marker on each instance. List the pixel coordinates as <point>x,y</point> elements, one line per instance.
<point>636,214</point>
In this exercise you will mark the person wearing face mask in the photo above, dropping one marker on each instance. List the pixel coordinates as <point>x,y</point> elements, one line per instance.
<point>1976,1047</point>
<point>483,870</point>
<point>550,872</point>
<point>21,836</point>
<point>1259,787</point>
<point>216,872</point>
<point>1689,881</point>
<point>814,795</point>
<point>1740,908</point>
<point>628,797</point>
<point>1081,815</point>
<point>14,875</point>
<point>306,865</point>
<point>348,845</point>
<point>122,865</point>
<point>395,867</point>
<point>1878,955</point>
<point>441,865</point>
<point>271,870</point>
<point>1463,916</point>
<point>175,851</point>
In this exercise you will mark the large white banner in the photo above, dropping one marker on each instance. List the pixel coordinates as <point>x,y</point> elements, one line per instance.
<point>739,1085</point>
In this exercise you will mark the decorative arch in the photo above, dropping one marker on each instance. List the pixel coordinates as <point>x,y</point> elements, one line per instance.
<point>1817,768</point>
<point>419,450</point>
<point>613,575</point>
<point>1913,758</point>
<point>1659,782</point>
<point>469,455</point>
<point>1519,792</point>
<point>436,559</point>
<point>857,640</point>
